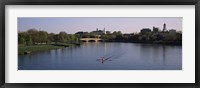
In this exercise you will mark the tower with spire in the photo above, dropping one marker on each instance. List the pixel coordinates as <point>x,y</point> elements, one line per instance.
<point>104,30</point>
<point>164,27</point>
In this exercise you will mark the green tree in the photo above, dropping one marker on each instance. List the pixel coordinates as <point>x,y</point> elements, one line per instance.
<point>43,37</point>
<point>51,37</point>
<point>28,40</point>
<point>21,38</point>
<point>34,35</point>
<point>63,37</point>
<point>56,38</point>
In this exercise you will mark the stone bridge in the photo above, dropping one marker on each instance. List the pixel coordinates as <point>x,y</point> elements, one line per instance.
<point>91,39</point>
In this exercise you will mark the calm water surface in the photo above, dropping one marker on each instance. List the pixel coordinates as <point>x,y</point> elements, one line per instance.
<point>105,56</point>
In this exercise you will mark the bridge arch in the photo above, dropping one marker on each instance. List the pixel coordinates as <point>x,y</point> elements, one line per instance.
<point>91,40</point>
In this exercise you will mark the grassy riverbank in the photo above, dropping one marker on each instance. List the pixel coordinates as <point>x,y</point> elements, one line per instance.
<point>36,48</point>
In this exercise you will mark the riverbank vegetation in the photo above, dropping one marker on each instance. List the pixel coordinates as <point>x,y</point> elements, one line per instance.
<point>148,37</point>
<point>34,40</point>
<point>35,37</point>
<point>161,37</point>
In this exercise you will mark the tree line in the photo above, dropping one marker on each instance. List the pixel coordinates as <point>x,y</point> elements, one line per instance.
<point>147,37</point>
<point>35,37</point>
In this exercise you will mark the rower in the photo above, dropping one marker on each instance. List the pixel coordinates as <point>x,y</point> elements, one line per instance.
<point>102,59</point>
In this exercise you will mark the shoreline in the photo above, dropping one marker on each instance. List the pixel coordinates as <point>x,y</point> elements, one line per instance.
<point>24,50</point>
<point>148,42</point>
<point>153,42</point>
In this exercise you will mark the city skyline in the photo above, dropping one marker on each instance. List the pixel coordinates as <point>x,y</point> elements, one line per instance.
<point>72,25</point>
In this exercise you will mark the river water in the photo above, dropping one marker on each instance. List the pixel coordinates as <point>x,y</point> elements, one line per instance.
<point>106,56</point>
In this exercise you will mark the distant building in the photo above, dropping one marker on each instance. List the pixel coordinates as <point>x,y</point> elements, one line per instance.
<point>145,30</point>
<point>155,29</point>
<point>100,32</point>
<point>164,27</point>
<point>104,30</point>
<point>172,31</point>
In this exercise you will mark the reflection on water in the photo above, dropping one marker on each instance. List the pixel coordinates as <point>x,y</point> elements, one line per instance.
<point>105,56</point>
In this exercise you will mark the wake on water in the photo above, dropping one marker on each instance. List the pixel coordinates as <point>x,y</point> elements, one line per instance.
<point>111,56</point>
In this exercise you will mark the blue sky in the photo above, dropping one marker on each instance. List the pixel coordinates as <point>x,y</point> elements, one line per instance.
<point>72,25</point>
